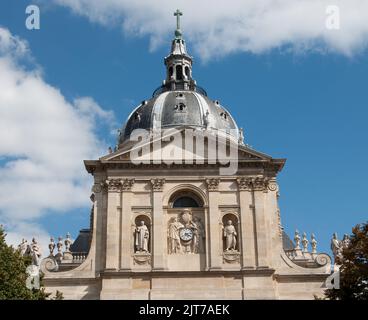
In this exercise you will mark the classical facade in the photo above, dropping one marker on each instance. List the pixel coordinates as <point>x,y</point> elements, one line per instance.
<point>171,219</point>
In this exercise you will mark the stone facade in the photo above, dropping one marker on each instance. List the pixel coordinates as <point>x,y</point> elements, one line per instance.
<point>124,195</point>
<point>181,229</point>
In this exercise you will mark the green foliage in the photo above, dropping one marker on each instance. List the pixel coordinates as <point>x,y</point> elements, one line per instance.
<point>354,268</point>
<point>13,275</point>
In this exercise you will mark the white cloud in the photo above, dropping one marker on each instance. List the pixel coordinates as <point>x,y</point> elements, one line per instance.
<point>43,142</point>
<point>222,27</point>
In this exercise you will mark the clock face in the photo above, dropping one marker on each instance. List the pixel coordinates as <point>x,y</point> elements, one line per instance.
<point>186,234</point>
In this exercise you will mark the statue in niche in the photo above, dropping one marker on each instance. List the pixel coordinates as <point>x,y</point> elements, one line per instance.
<point>230,236</point>
<point>141,238</point>
<point>198,235</point>
<point>174,237</point>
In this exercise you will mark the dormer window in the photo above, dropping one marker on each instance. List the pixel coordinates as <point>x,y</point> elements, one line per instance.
<point>180,107</point>
<point>224,115</point>
<point>137,117</point>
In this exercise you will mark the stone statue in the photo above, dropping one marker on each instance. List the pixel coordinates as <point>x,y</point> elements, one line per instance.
<point>52,246</point>
<point>68,242</point>
<point>336,246</point>
<point>230,236</point>
<point>199,234</point>
<point>173,235</point>
<point>305,242</point>
<point>297,239</point>
<point>345,243</point>
<point>313,243</point>
<point>23,247</point>
<point>194,225</point>
<point>35,252</point>
<point>141,237</point>
<point>59,245</point>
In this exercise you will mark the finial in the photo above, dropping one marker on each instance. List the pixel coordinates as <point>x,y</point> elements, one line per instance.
<point>313,243</point>
<point>305,242</point>
<point>177,14</point>
<point>297,240</point>
<point>52,246</point>
<point>67,242</point>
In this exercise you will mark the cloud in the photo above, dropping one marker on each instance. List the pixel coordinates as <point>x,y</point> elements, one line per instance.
<point>43,142</point>
<point>224,27</point>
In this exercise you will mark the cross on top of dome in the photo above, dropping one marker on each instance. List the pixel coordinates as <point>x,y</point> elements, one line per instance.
<point>178,33</point>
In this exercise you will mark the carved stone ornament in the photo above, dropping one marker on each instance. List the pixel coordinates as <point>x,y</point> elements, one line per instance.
<point>49,264</point>
<point>97,187</point>
<point>157,184</point>
<point>118,185</point>
<point>322,259</point>
<point>114,185</point>
<point>273,186</point>
<point>231,256</point>
<point>142,258</point>
<point>256,184</point>
<point>244,184</point>
<point>212,184</point>
<point>127,184</point>
<point>260,184</point>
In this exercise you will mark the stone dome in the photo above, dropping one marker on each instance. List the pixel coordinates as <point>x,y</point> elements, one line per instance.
<point>179,102</point>
<point>179,108</point>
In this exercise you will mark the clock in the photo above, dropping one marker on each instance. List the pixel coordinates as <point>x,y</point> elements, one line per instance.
<point>186,234</point>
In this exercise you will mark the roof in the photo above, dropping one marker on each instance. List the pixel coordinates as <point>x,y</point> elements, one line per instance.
<point>83,241</point>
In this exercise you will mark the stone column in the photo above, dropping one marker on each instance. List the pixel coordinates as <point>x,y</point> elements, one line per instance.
<point>214,240</point>
<point>247,232</point>
<point>125,234</point>
<point>112,224</point>
<point>259,189</point>
<point>159,230</point>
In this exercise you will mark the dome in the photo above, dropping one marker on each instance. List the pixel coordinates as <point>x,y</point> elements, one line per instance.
<point>176,109</point>
<point>179,102</point>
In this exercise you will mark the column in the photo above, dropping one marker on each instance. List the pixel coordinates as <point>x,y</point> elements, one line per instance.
<point>247,232</point>
<point>112,224</point>
<point>125,232</point>
<point>214,224</point>
<point>259,189</point>
<point>159,231</point>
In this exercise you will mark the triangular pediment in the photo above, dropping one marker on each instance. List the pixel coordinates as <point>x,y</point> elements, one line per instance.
<point>165,147</point>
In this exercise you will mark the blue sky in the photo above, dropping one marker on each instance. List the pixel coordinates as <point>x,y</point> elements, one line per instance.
<point>309,107</point>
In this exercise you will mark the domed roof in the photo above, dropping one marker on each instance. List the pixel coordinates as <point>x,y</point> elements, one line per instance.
<point>179,102</point>
<point>176,109</point>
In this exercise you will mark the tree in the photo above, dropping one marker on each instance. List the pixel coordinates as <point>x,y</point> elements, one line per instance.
<point>13,275</point>
<point>353,268</point>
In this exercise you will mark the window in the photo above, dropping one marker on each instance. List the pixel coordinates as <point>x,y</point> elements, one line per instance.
<point>180,107</point>
<point>179,72</point>
<point>187,71</point>
<point>185,202</point>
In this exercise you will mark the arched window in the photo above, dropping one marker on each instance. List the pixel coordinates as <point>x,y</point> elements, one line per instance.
<point>187,71</point>
<point>185,202</point>
<point>185,199</point>
<point>179,72</point>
